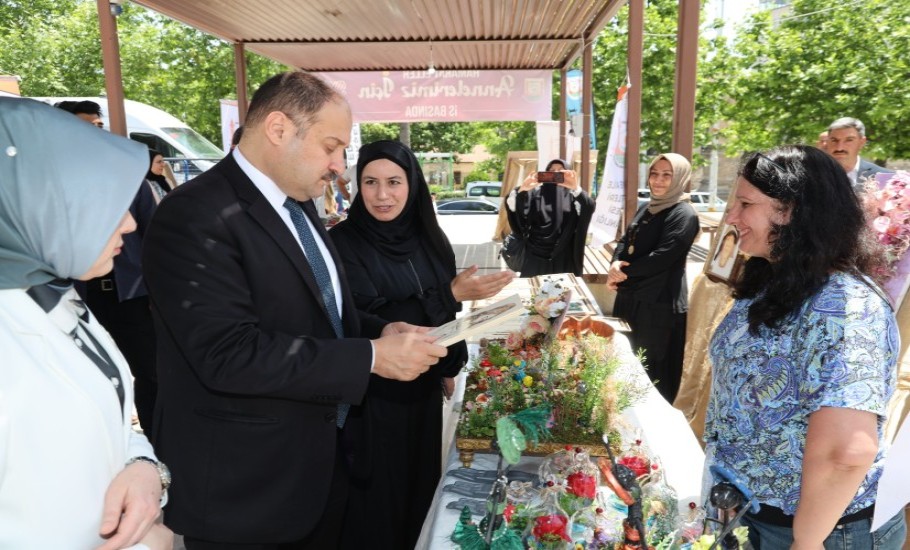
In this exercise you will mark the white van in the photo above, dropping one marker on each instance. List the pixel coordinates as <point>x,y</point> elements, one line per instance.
<point>483,189</point>
<point>189,153</point>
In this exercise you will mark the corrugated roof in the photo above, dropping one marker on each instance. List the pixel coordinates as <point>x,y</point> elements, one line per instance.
<point>365,35</point>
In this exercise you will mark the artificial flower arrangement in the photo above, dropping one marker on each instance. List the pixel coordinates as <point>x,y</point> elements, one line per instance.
<point>579,377</point>
<point>888,211</point>
<point>580,505</point>
<point>579,384</point>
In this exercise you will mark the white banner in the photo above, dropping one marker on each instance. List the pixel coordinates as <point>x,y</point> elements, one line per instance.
<point>548,144</point>
<point>230,120</point>
<point>611,197</point>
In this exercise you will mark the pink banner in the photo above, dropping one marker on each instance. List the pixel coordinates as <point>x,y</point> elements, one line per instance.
<point>446,96</point>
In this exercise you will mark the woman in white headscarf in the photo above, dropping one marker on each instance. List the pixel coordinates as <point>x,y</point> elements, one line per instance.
<point>73,474</point>
<point>648,272</point>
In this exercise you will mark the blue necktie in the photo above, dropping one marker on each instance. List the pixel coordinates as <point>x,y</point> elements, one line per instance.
<point>323,279</point>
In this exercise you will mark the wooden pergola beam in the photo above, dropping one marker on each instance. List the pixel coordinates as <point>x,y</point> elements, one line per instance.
<point>113,78</point>
<point>686,65</point>
<point>633,127</point>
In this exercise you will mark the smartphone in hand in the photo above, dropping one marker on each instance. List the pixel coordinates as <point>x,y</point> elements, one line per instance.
<point>550,177</point>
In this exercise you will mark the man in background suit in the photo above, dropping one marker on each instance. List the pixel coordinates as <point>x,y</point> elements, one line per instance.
<point>846,138</point>
<point>261,348</point>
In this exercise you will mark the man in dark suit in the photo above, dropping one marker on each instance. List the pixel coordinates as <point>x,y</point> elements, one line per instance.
<point>846,138</point>
<point>261,350</point>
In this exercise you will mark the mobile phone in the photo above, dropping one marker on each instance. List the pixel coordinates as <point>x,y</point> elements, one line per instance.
<point>550,177</point>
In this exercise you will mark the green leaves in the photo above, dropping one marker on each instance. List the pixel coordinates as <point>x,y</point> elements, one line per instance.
<point>821,61</point>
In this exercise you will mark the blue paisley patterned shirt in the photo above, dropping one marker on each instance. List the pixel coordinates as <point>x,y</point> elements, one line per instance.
<point>839,350</point>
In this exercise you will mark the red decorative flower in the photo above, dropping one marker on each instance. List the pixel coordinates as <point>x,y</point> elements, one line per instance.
<point>551,528</point>
<point>581,485</point>
<point>486,362</point>
<point>637,464</point>
<point>508,512</point>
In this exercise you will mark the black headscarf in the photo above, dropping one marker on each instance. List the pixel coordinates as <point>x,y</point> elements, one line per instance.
<point>565,165</point>
<point>159,179</point>
<point>398,239</point>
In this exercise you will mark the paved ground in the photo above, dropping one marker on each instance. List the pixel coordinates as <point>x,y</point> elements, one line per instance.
<point>471,234</point>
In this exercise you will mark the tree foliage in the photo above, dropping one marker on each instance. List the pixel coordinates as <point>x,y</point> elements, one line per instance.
<point>658,74</point>
<point>820,62</point>
<point>55,47</point>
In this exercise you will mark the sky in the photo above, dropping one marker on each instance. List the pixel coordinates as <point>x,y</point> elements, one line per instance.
<point>734,11</point>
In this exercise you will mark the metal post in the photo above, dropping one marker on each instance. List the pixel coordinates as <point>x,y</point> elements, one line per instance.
<point>586,102</point>
<point>712,178</point>
<point>563,89</point>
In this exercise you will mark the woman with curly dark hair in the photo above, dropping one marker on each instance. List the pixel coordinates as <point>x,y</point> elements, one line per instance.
<point>804,362</point>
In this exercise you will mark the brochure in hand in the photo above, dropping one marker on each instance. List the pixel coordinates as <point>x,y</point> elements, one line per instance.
<point>479,322</point>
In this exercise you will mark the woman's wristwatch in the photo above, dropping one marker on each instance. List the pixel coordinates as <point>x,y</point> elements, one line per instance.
<point>163,472</point>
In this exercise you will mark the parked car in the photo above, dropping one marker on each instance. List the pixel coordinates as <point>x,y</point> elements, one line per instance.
<point>700,200</point>
<point>484,189</point>
<point>466,206</point>
<point>644,197</point>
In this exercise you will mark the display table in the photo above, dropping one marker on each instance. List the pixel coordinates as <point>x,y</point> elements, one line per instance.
<point>661,428</point>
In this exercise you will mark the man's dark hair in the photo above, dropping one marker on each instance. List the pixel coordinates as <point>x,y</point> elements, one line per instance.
<point>827,231</point>
<point>235,139</point>
<point>297,94</point>
<point>80,107</point>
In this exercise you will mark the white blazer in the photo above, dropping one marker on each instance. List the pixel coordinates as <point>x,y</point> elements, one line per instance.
<point>63,436</point>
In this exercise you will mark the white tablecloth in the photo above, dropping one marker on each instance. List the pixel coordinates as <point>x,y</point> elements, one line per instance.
<point>662,429</point>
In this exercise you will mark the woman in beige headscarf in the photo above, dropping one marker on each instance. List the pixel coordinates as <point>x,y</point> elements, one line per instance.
<point>649,272</point>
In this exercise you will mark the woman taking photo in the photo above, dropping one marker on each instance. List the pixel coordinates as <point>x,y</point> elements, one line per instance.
<point>648,272</point>
<point>73,473</point>
<point>401,267</point>
<point>804,362</point>
<point>552,219</point>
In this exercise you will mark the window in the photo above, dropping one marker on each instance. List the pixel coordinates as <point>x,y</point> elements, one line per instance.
<point>156,143</point>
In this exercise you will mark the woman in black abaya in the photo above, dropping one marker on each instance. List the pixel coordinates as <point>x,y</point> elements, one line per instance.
<point>401,267</point>
<point>648,272</point>
<point>553,220</point>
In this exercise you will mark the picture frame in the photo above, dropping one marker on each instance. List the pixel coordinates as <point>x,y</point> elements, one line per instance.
<point>724,260</point>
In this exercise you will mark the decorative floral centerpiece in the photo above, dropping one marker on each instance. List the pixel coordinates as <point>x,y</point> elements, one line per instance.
<point>573,383</point>
<point>578,377</point>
